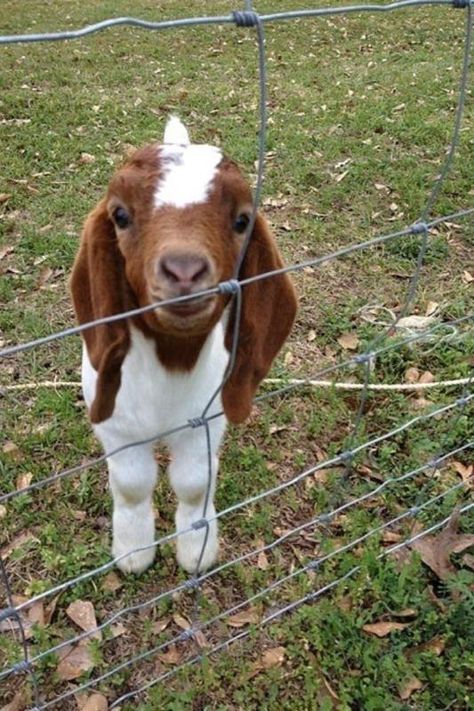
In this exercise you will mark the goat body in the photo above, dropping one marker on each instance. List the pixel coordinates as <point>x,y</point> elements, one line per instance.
<point>173,223</point>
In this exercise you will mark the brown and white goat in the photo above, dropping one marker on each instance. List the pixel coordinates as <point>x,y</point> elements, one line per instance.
<point>172,223</point>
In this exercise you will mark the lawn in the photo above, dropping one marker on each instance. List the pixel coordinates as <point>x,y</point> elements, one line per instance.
<point>361,111</point>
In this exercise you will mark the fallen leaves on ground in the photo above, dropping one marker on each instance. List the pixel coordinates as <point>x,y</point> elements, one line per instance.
<point>436,645</point>
<point>273,657</point>
<point>172,656</point>
<point>74,661</point>
<point>382,629</point>
<point>83,614</point>
<point>409,687</point>
<point>435,550</point>
<point>348,341</point>
<point>96,702</point>
<point>247,617</point>
<point>465,471</point>
<point>111,582</point>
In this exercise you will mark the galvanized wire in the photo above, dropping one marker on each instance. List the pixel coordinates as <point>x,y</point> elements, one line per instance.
<point>236,289</point>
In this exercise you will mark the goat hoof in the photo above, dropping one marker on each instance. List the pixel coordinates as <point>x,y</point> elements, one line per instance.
<point>189,554</point>
<point>136,562</point>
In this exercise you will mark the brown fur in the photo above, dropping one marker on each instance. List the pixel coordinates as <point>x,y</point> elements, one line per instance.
<point>115,271</point>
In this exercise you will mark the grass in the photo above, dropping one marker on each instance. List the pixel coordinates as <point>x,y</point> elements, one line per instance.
<point>368,94</point>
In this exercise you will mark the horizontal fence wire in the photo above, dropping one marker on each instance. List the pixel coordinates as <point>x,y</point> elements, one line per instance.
<point>235,289</point>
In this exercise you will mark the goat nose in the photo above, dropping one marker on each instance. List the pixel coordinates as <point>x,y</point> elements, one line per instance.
<point>184,269</point>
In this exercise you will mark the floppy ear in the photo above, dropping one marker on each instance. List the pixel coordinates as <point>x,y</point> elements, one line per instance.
<point>268,312</point>
<point>99,288</point>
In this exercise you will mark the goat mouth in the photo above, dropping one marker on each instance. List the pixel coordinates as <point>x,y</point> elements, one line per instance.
<point>185,309</point>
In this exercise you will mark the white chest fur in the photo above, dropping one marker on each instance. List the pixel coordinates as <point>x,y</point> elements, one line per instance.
<point>151,398</point>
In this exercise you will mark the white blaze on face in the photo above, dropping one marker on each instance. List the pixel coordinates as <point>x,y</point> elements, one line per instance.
<point>188,169</point>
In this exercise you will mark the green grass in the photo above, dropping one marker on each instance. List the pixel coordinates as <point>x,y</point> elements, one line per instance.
<point>373,95</point>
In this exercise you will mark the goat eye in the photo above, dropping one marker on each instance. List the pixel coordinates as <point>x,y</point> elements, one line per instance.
<point>121,218</point>
<point>241,223</point>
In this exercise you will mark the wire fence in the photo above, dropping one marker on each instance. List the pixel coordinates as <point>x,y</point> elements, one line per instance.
<point>353,446</point>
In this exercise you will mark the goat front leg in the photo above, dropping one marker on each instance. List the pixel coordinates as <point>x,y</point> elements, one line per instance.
<point>192,474</point>
<point>132,478</point>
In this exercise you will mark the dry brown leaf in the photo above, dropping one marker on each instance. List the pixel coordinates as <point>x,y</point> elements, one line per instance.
<point>467,277</point>
<point>348,341</point>
<point>4,197</point>
<point>409,687</point>
<point>36,613</point>
<point>262,561</point>
<point>407,612</point>
<point>50,610</point>
<point>96,702</point>
<point>11,450</point>
<point>3,511</point>
<point>272,657</point>
<point>160,625</point>
<point>431,308</point>
<point>83,614</point>
<point>18,702</point>
<point>86,158</point>
<point>391,537</point>
<point>435,550</point>
<point>181,622</point>
<point>412,375</point>
<point>436,646</point>
<point>74,662</point>
<point>23,480</point>
<point>117,630</point>
<point>382,629</point>
<point>465,472</point>
<point>111,582</point>
<point>311,336</point>
<point>172,656</point>
<point>201,639</point>
<point>247,617</point>
<point>426,377</point>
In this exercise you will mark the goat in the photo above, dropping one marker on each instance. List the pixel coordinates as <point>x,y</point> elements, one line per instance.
<point>172,223</point>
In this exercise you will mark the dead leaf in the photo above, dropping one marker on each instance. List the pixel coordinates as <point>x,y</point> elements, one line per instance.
<point>83,614</point>
<point>36,614</point>
<point>111,582</point>
<point>435,550</point>
<point>4,197</point>
<point>74,661</point>
<point>17,703</point>
<point>181,622</point>
<point>426,377</point>
<point>247,617</point>
<point>412,375</point>
<point>339,178</point>
<point>201,639</point>
<point>23,480</point>
<point>311,336</point>
<point>262,561</point>
<point>436,646</point>
<point>467,277</point>
<point>117,630</point>
<point>172,656</point>
<point>270,658</point>
<point>382,629</point>
<point>409,687</point>
<point>160,625</point>
<point>407,612</point>
<point>50,610</point>
<point>96,702</point>
<point>288,359</point>
<point>465,472</point>
<point>11,450</point>
<point>3,511</point>
<point>348,341</point>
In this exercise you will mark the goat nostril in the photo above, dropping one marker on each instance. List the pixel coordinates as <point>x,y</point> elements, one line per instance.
<point>184,269</point>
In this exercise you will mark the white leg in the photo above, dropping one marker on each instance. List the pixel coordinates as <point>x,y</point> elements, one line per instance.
<point>132,477</point>
<point>194,485</point>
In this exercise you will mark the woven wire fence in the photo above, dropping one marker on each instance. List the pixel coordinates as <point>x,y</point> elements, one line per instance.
<point>422,228</point>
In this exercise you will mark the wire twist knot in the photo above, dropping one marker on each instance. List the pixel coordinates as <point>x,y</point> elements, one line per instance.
<point>363,358</point>
<point>22,666</point>
<point>201,523</point>
<point>8,612</point>
<point>245,18</point>
<point>197,422</point>
<point>231,286</point>
<point>418,228</point>
<point>414,511</point>
<point>461,401</point>
<point>191,584</point>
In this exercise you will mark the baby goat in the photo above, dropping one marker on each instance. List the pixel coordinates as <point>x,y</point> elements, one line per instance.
<point>172,223</point>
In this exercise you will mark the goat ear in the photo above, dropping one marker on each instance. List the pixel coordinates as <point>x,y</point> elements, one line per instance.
<point>99,288</point>
<point>268,311</point>
<point>176,132</point>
